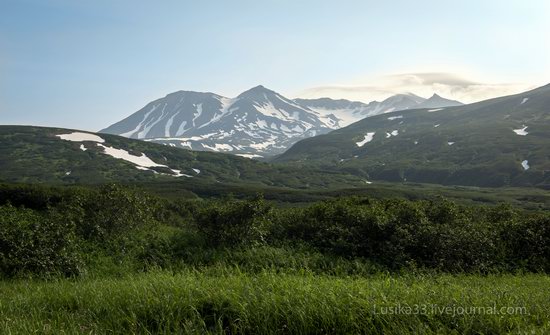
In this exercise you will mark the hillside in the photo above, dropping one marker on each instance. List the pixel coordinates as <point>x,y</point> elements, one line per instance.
<point>497,142</point>
<point>54,155</point>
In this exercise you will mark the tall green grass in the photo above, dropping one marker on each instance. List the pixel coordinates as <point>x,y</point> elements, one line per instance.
<point>220,299</point>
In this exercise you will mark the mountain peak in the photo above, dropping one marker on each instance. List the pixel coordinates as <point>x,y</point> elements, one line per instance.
<point>436,101</point>
<point>256,91</point>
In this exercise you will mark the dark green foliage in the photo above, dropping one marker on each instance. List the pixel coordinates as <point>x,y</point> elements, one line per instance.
<point>31,243</point>
<point>114,212</point>
<point>234,223</point>
<point>438,234</point>
<point>113,229</point>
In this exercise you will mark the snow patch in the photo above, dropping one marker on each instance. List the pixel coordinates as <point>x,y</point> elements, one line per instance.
<point>435,110</point>
<point>366,140</point>
<point>197,171</point>
<point>521,131</point>
<point>142,160</point>
<point>437,125</point>
<point>181,129</point>
<point>450,143</point>
<point>218,147</point>
<point>525,164</point>
<point>150,125</point>
<point>524,101</point>
<point>138,127</point>
<point>169,125</point>
<point>392,133</point>
<point>250,156</point>
<point>199,112</point>
<point>391,118</point>
<point>82,147</point>
<point>81,137</point>
<point>179,174</point>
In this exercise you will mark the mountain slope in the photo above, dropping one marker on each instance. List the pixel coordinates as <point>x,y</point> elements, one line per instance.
<point>503,141</point>
<point>257,123</point>
<point>54,155</point>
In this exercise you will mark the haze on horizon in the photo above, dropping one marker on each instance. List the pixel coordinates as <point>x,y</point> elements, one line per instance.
<point>86,65</point>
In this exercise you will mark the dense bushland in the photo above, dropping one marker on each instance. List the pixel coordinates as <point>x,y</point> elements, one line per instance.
<point>111,229</point>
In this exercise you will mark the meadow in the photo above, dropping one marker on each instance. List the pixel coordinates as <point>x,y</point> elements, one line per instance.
<point>223,300</point>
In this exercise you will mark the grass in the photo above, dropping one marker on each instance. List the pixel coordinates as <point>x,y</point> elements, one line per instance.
<point>221,299</point>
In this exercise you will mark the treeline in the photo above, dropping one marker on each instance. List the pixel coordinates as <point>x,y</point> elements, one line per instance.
<point>48,231</point>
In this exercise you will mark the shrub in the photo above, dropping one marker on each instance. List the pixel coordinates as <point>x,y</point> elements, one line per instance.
<point>233,223</point>
<point>114,212</point>
<point>36,244</point>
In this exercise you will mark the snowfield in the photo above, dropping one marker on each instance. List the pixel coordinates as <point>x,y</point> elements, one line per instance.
<point>142,162</point>
<point>367,139</point>
<point>81,137</point>
<point>521,131</point>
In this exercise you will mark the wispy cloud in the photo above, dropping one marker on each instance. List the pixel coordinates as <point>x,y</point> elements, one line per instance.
<point>424,84</point>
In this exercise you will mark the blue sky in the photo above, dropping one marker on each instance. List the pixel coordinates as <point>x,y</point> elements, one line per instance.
<point>87,64</point>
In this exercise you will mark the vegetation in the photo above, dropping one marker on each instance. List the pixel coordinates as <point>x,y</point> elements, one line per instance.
<point>221,300</point>
<point>36,155</point>
<point>117,259</point>
<point>391,233</point>
<point>471,145</point>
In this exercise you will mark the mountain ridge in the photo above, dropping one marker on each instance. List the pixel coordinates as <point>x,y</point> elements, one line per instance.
<point>496,142</point>
<point>257,123</point>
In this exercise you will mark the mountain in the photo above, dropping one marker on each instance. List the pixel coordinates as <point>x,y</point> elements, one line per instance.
<point>436,101</point>
<point>65,156</point>
<point>256,124</point>
<point>497,142</point>
<point>347,112</point>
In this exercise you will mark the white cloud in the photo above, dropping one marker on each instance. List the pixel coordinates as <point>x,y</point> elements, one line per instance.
<point>424,84</point>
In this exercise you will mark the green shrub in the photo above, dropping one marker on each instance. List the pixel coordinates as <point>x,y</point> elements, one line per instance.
<point>36,244</point>
<point>114,212</point>
<point>233,223</point>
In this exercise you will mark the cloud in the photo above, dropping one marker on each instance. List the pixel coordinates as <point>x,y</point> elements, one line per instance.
<point>424,84</point>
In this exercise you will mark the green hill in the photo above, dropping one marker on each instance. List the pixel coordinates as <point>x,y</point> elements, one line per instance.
<point>39,155</point>
<point>498,142</point>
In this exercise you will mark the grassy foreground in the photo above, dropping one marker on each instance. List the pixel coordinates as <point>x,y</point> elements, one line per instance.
<point>225,300</point>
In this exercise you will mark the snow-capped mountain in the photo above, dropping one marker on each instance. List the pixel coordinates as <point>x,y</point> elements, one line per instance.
<point>257,123</point>
<point>348,112</point>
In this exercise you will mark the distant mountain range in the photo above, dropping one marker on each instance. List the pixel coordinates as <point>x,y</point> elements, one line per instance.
<point>256,124</point>
<point>497,142</point>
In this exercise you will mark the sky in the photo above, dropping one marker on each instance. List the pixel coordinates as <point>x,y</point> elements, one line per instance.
<point>88,64</point>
